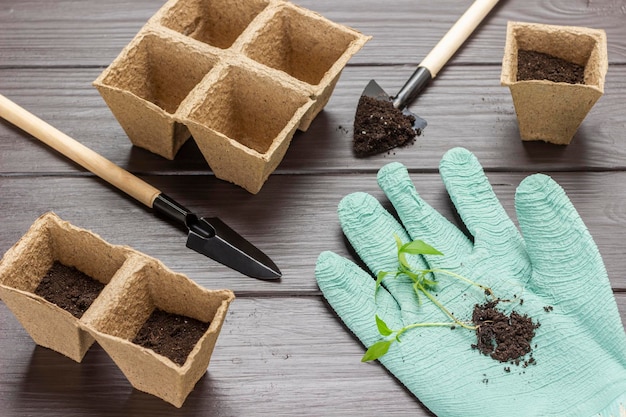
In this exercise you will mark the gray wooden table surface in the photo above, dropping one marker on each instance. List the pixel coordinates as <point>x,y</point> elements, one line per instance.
<point>282,350</point>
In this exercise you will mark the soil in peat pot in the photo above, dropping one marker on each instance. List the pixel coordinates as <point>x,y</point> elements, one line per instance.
<point>504,337</point>
<point>69,288</point>
<point>379,127</point>
<point>533,65</point>
<point>171,335</point>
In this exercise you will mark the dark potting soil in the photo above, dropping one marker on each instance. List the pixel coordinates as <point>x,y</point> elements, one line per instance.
<point>379,127</point>
<point>533,65</point>
<point>506,338</point>
<point>69,288</point>
<point>171,335</point>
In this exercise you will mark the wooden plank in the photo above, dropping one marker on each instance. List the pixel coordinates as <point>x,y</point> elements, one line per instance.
<point>272,358</point>
<point>404,31</point>
<point>282,350</point>
<point>293,219</point>
<point>92,32</point>
<point>68,32</point>
<point>252,371</point>
<point>465,106</point>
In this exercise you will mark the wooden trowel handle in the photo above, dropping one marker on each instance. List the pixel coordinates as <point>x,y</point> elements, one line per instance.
<point>457,34</point>
<point>77,152</point>
<point>442,52</point>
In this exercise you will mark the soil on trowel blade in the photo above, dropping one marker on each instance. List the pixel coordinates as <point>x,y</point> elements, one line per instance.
<point>379,127</point>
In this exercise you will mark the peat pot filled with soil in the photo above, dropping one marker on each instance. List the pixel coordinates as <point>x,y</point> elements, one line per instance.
<point>69,288</point>
<point>160,328</point>
<point>555,75</point>
<point>52,279</point>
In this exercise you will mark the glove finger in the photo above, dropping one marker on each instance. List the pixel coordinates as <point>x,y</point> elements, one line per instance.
<point>371,230</point>
<point>350,292</point>
<point>567,266</point>
<point>421,220</point>
<point>477,204</point>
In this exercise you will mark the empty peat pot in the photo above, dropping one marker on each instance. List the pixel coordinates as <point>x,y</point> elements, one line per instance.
<point>553,111</point>
<point>240,76</point>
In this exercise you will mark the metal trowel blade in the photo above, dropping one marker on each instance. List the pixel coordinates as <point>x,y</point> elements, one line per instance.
<point>373,90</point>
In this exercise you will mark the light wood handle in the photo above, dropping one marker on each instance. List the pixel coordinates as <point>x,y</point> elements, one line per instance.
<point>457,34</point>
<point>77,152</point>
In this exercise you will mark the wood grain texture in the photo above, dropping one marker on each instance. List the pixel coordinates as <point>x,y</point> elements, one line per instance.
<point>287,366</point>
<point>464,106</point>
<point>308,370</point>
<point>282,350</point>
<point>77,152</point>
<point>92,33</point>
<point>292,219</point>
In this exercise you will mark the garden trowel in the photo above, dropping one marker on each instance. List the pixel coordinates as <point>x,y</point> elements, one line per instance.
<point>208,236</point>
<point>434,61</point>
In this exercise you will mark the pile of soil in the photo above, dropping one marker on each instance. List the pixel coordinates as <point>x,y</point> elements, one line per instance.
<point>506,338</point>
<point>379,127</point>
<point>533,65</point>
<point>69,288</point>
<point>171,335</point>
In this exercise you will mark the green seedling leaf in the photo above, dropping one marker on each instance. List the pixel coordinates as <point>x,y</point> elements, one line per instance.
<point>419,247</point>
<point>377,350</point>
<point>383,329</point>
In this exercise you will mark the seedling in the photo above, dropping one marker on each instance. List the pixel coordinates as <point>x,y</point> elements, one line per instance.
<point>423,283</point>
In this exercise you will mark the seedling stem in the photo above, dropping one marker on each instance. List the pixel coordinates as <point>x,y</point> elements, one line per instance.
<point>421,284</point>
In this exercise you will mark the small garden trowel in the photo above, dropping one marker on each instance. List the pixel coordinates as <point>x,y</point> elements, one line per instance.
<point>208,236</point>
<point>434,61</point>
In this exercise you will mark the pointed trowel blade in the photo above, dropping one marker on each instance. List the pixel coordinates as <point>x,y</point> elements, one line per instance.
<point>372,89</point>
<point>213,238</point>
<point>375,91</point>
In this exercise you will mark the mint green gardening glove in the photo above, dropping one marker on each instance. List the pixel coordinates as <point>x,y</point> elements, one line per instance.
<point>552,272</point>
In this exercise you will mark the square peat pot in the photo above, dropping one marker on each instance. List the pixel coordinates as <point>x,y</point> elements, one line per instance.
<point>305,46</point>
<point>244,123</point>
<point>128,304</point>
<point>147,83</point>
<point>217,23</point>
<point>553,111</point>
<point>163,67</point>
<point>24,265</point>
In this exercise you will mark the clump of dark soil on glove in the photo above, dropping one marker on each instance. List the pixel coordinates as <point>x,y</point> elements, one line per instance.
<point>533,65</point>
<point>380,127</point>
<point>171,335</point>
<point>504,337</point>
<point>69,288</point>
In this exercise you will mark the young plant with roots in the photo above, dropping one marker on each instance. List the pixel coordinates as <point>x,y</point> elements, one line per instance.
<point>423,284</point>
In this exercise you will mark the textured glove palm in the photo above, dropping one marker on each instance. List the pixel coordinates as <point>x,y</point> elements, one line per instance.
<point>555,268</point>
